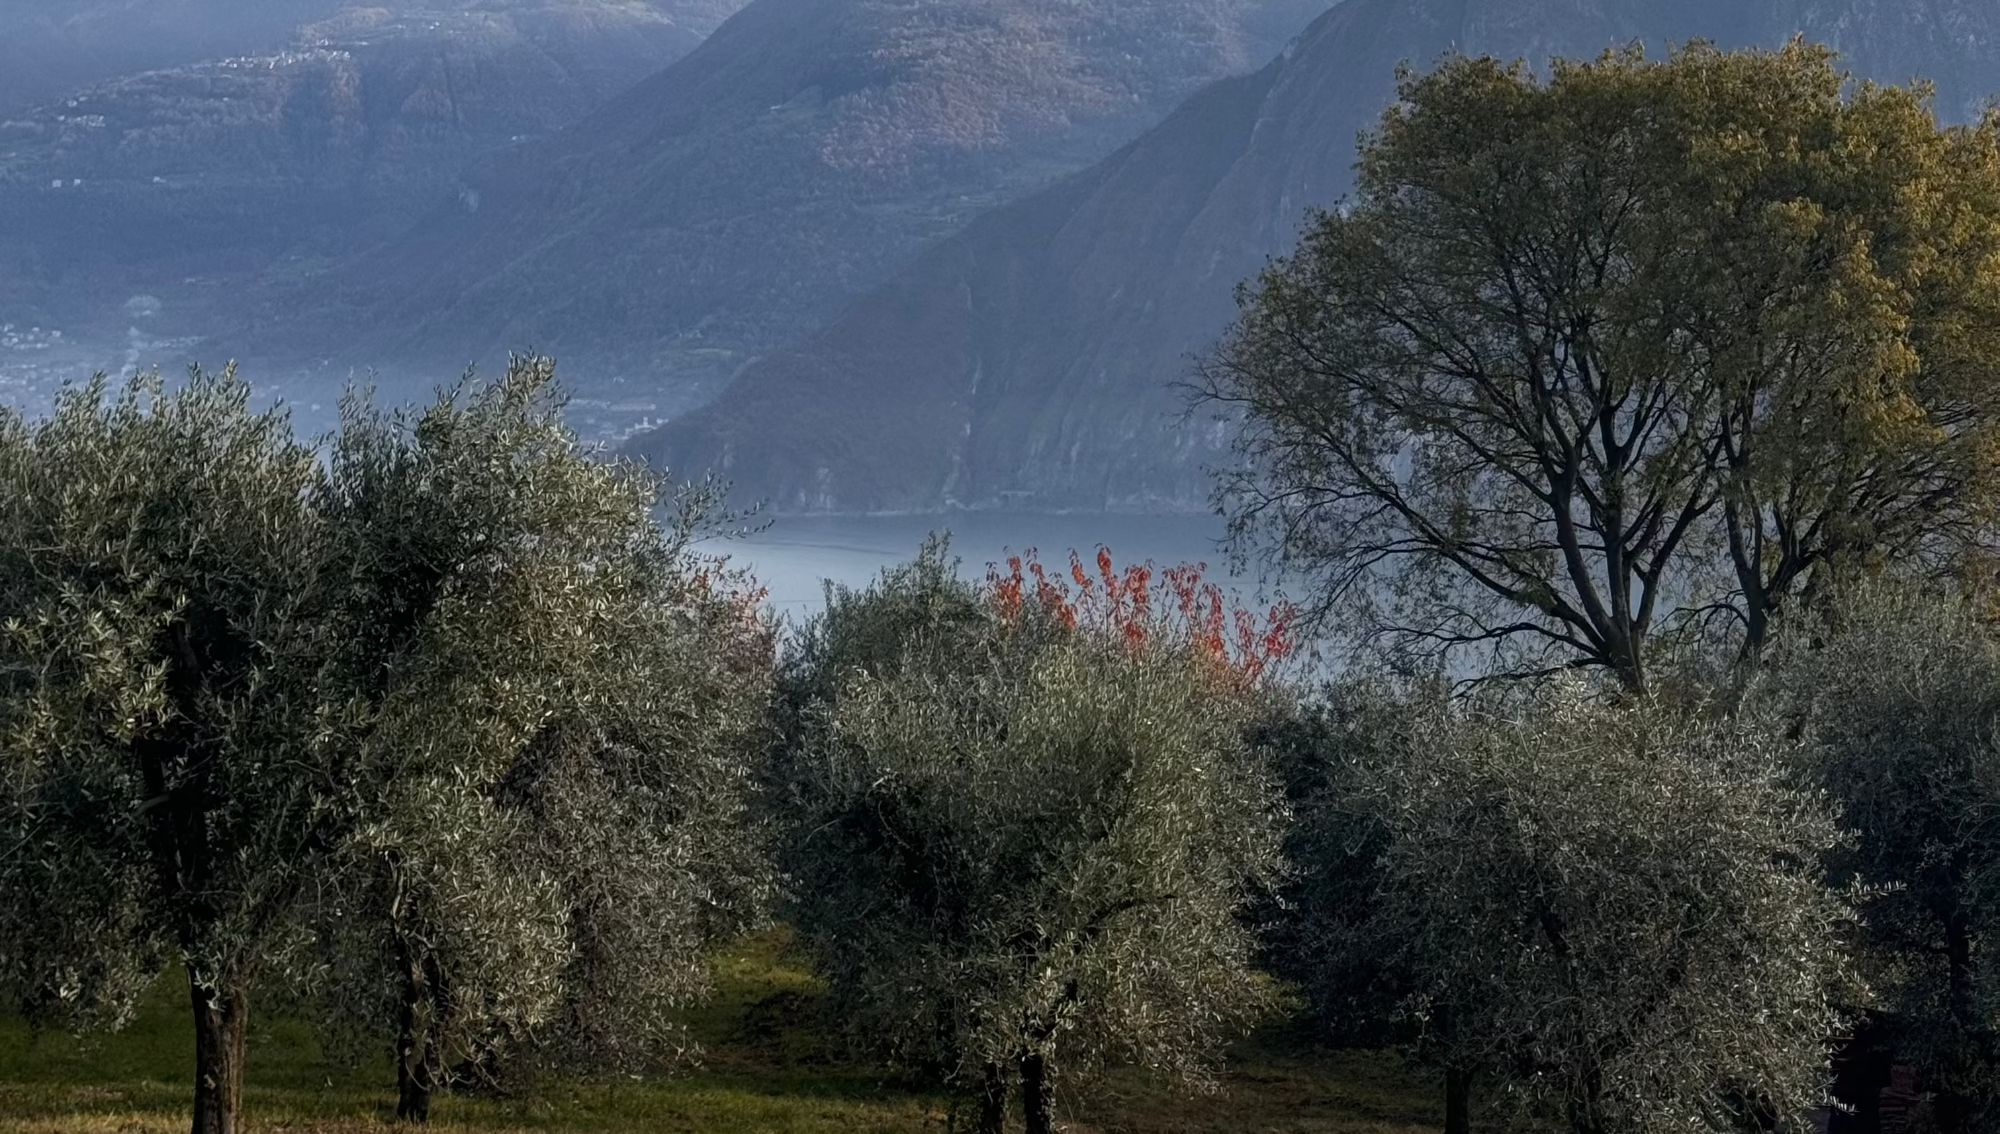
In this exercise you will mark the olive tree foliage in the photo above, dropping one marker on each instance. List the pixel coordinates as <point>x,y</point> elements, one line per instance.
<point>567,705</point>
<point>919,612</point>
<point>1634,348</point>
<point>1024,851</point>
<point>643,812</point>
<point>1898,692</point>
<point>368,727</point>
<point>1614,915</point>
<point>170,777</point>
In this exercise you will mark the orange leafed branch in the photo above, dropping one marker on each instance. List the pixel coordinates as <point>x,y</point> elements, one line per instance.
<point>1195,614</point>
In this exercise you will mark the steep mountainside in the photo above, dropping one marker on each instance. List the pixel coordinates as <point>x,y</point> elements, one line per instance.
<point>51,47</point>
<point>342,135</point>
<point>1032,358</point>
<point>748,193</point>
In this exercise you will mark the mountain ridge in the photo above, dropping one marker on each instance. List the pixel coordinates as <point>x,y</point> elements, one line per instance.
<point>1051,384</point>
<point>746,194</point>
<point>340,137</point>
<point>49,48</point>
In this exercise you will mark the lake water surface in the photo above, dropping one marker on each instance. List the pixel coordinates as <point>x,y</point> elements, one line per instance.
<point>794,556</point>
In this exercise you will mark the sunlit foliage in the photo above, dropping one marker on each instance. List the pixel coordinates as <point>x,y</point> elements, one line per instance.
<point>1633,348</point>
<point>444,725</point>
<point>568,704</point>
<point>172,780</point>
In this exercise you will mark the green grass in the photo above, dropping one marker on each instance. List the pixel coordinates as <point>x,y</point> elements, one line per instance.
<point>764,1069</point>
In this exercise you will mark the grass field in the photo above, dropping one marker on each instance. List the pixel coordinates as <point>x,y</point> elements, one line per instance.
<point>762,1071</point>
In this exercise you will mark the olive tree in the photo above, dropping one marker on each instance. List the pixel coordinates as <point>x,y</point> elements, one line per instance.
<point>1635,347</point>
<point>1898,692</point>
<point>1615,915</point>
<point>368,726</point>
<point>1024,852</point>
<point>565,705</point>
<point>170,778</point>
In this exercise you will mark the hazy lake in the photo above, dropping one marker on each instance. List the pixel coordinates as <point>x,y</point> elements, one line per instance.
<point>794,555</point>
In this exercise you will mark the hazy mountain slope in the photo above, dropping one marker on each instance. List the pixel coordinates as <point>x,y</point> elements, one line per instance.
<point>1031,358</point>
<point>51,47</point>
<point>746,194</point>
<point>1953,43</point>
<point>339,139</point>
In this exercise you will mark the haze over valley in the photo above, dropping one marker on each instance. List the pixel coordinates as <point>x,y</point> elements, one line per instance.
<point>853,255</point>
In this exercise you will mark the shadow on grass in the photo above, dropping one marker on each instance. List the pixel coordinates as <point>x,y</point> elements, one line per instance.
<point>766,1065</point>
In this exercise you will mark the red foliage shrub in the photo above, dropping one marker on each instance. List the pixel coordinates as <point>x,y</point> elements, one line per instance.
<point>1193,613</point>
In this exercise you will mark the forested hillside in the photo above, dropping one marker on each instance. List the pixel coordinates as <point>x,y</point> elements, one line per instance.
<point>1032,358</point>
<point>306,136</point>
<point>740,198</point>
<point>51,47</point>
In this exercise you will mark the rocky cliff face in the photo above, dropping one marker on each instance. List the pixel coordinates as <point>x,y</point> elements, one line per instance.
<point>802,154</point>
<point>1032,358</point>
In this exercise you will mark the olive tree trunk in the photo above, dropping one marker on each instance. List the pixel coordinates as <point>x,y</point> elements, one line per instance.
<point>415,1083</point>
<point>221,1015</point>
<point>416,1035</point>
<point>993,1100</point>
<point>1038,1095</point>
<point>1457,1101</point>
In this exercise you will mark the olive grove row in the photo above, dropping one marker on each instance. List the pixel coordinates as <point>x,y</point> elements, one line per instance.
<point>1633,429</point>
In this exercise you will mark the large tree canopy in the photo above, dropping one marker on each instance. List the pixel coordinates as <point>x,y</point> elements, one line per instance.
<point>562,701</point>
<point>171,779</point>
<point>1637,346</point>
